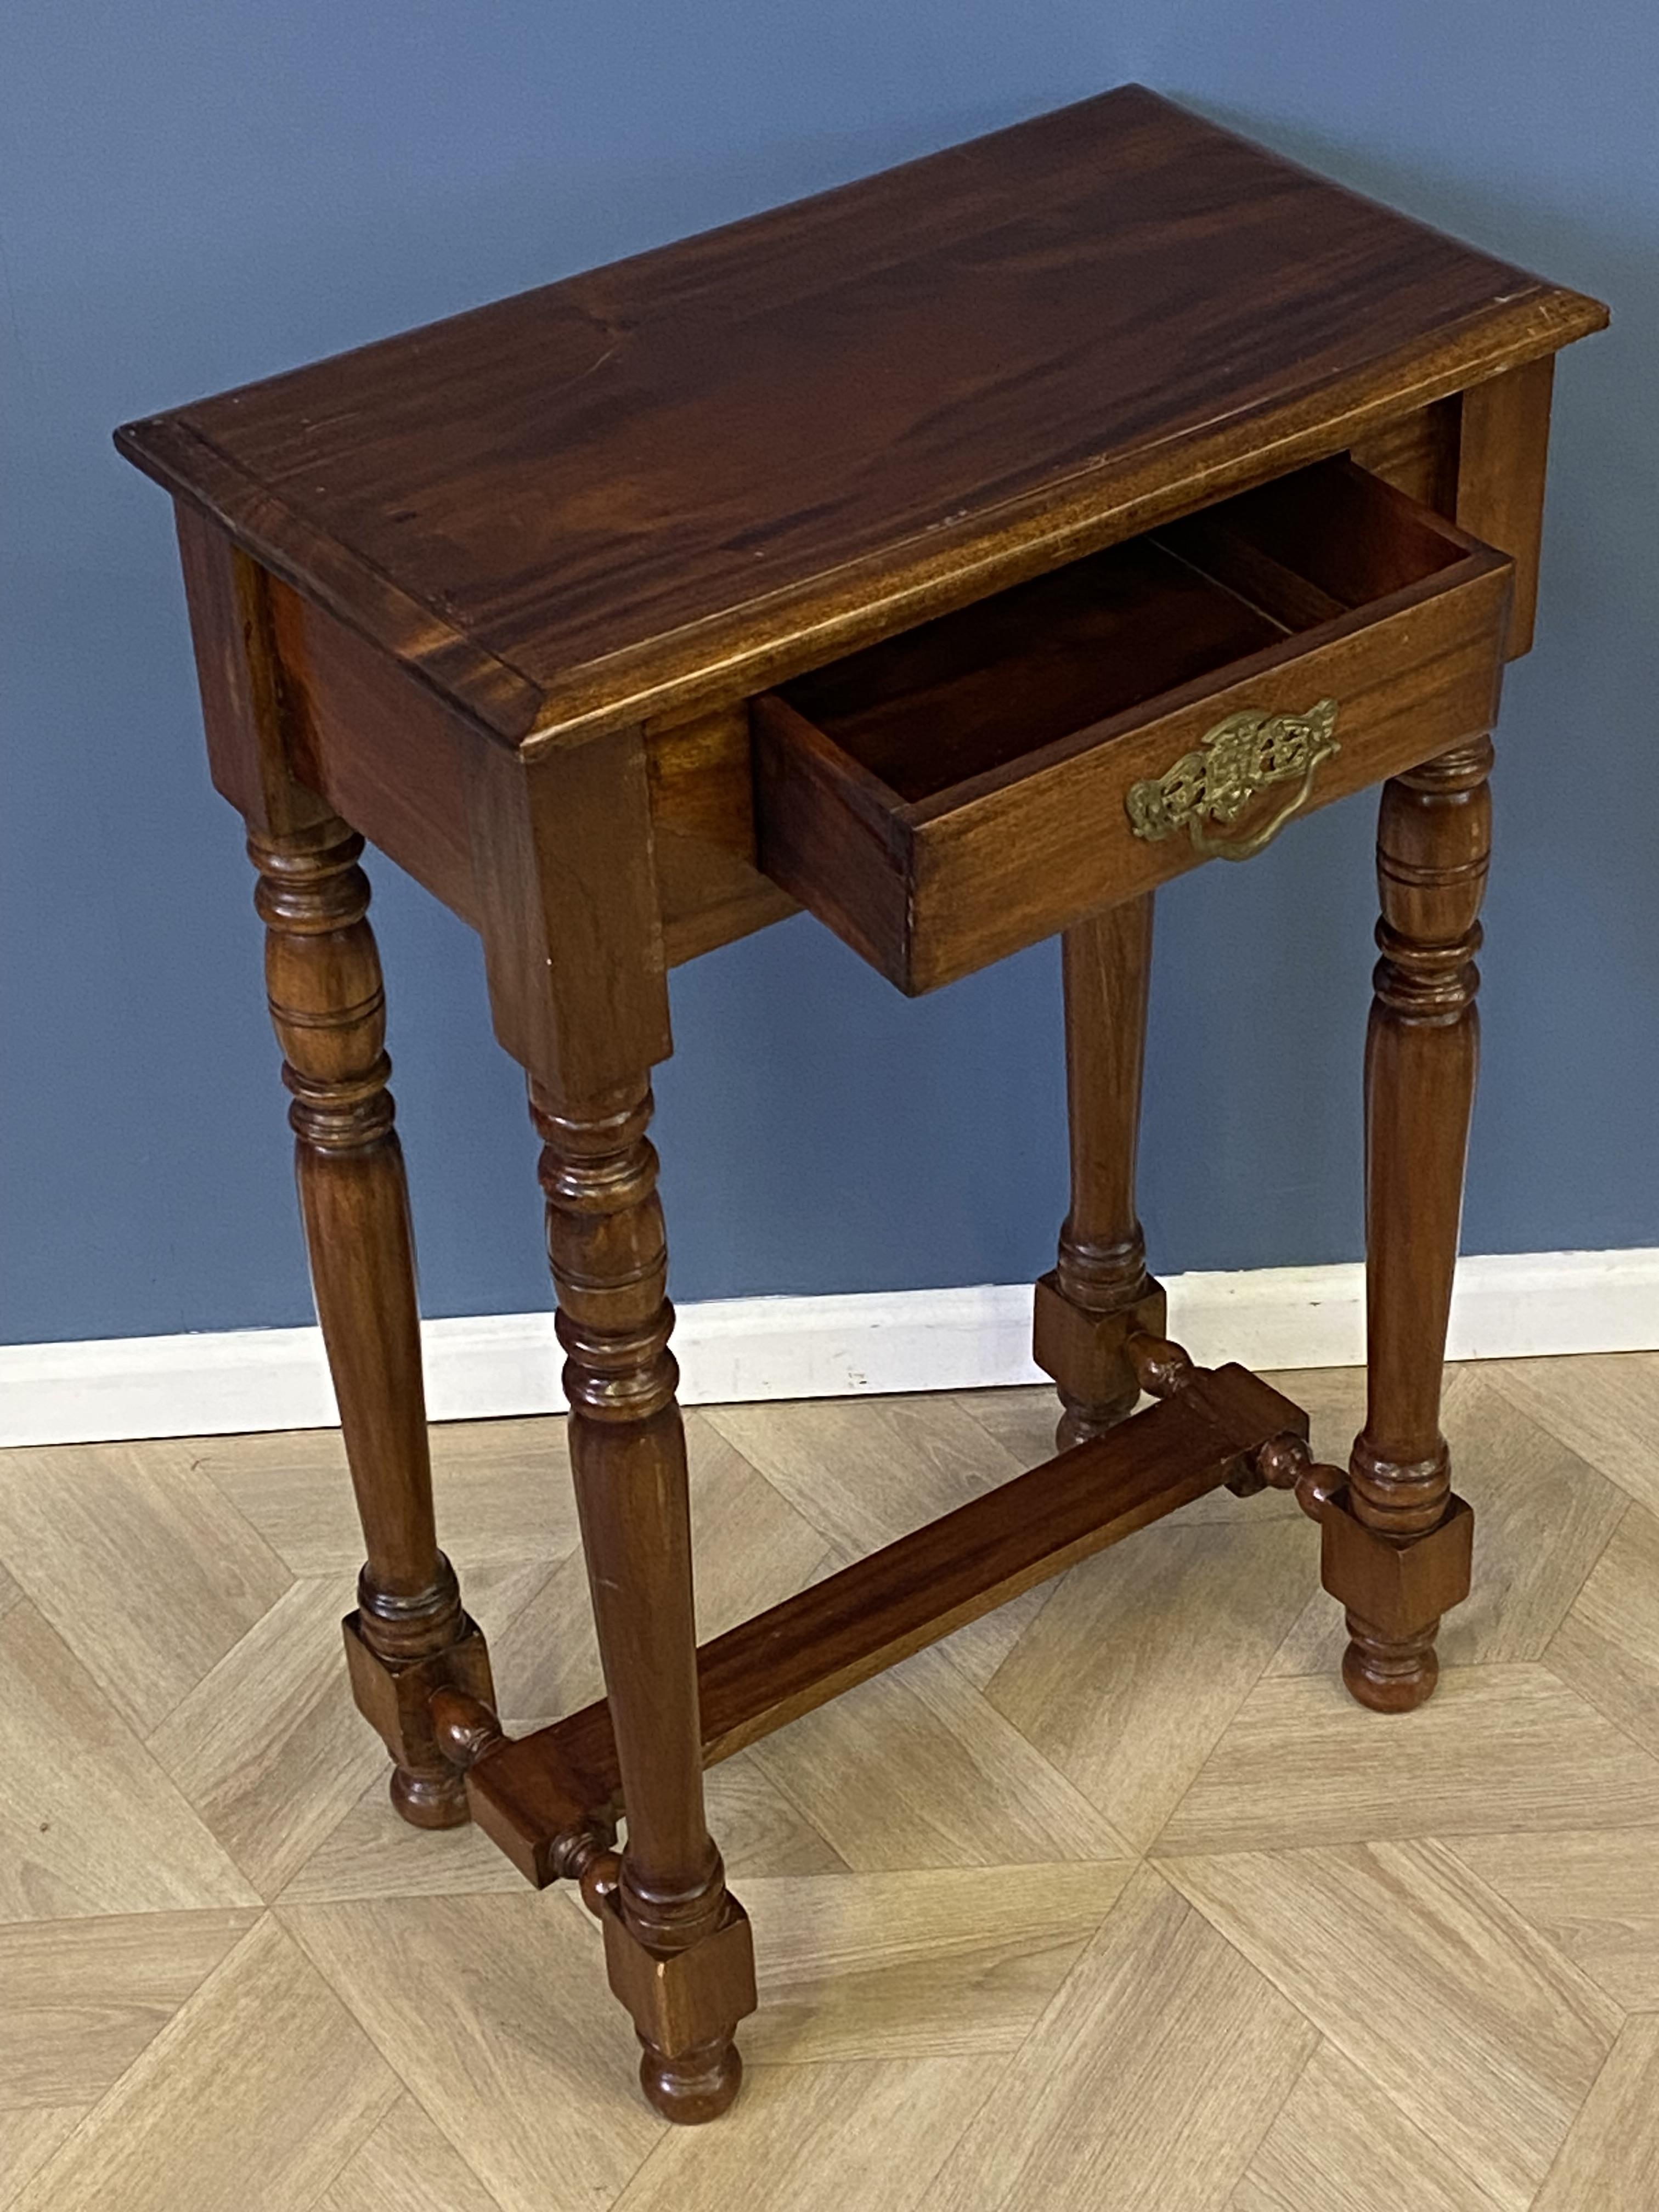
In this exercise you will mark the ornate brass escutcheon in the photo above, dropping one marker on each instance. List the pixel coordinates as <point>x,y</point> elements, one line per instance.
<point>1223,773</point>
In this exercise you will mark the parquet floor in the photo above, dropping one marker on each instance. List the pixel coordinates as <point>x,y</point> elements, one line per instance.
<point>1113,1901</point>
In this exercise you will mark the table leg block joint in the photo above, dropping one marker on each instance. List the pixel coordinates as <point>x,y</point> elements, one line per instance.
<point>1084,1351</point>
<point>685,2006</point>
<point>395,1698</point>
<point>1394,1590</point>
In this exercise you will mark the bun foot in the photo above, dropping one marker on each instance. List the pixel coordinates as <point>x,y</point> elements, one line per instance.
<point>694,2086</point>
<point>430,1801</point>
<point>1390,1674</point>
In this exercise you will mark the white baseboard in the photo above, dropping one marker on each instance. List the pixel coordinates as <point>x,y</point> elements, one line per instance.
<point>1509,1306</point>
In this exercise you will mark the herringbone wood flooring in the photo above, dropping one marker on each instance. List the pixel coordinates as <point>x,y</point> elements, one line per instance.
<point>1112,1901</point>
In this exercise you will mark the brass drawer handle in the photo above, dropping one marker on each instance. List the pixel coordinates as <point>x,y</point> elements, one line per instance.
<point>1219,778</point>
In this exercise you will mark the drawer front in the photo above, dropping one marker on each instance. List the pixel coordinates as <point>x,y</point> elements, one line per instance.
<point>930,890</point>
<point>1002,870</point>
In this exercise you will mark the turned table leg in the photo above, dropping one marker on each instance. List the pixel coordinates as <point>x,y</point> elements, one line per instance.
<point>677,1946</point>
<point>1397,1542</point>
<point>409,1635</point>
<point>1099,1288</point>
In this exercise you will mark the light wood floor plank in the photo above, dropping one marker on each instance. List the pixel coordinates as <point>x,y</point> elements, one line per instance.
<point>502,1489</point>
<point>1142,1656</point>
<point>856,2138</point>
<point>28,2137</point>
<point>1468,1895</point>
<point>371,1853</point>
<point>495,2011</point>
<point>250,2100</point>
<point>913,1966</point>
<point>146,1571</point>
<point>1148,2083</point>
<point>269,1748</point>
<point>866,1471</point>
<point>80,1999</point>
<point>1340,2145</point>
<point>1428,1983</point>
<point>1604,1406</point>
<point>1594,1893</point>
<point>1497,1749</point>
<point>88,1821</point>
<point>1608,1647</point>
<point>1542,1518</point>
<point>407,2165</point>
<point>914,1769</point>
<point>759,1833</point>
<point>751,1550</point>
<point>1611,2158</point>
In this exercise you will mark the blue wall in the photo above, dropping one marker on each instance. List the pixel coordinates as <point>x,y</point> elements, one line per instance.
<point>192,195</point>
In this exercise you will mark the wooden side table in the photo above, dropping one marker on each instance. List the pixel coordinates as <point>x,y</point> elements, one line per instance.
<point>960,554</point>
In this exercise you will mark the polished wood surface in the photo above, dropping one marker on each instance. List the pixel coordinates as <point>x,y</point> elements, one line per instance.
<point>669,1901</point>
<point>1100,1274</point>
<point>944,799</point>
<point>662,482</point>
<point>1434,844</point>
<point>866,555</point>
<point>328,1007</point>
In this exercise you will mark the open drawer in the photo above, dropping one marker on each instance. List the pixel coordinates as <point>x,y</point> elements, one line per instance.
<point>981,781</point>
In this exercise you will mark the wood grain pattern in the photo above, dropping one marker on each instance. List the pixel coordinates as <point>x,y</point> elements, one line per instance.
<point>1501,1747</point>
<point>407,2165</point>
<point>1503,450</point>
<point>1128,1680</point>
<point>83,1997</point>
<point>1612,2155</point>
<point>1479,2032</point>
<point>1150,2079</point>
<point>819,2139</point>
<point>1604,1408</point>
<point>668,1901</point>
<point>753,1550</point>
<point>983,1868</point>
<point>1100,1268</point>
<point>1608,1647</point>
<point>327,1003</point>
<point>866,1472</point>
<point>939,1964</point>
<point>1593,1893</point>
<point>709,885</point>
<point>503,1487</point>
<point>386,753</point>
<point>88,1823</point>
<point>1340,2145</point>
<point>370,1854</point>
<point>28,2137</point>
<point>144,1568</point>
<point>262,2077</point>
<point>269,1747</point>
<point>932,397</point>
<point>532,2088</point>
<point>915,1768</point>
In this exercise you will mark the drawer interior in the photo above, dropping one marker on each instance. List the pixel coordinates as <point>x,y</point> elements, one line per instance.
<point>979,693</point>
